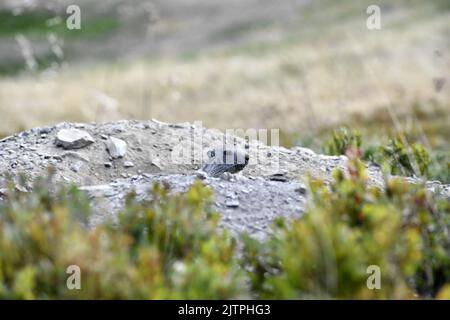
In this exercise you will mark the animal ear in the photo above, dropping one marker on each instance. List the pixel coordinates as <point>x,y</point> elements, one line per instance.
<point>211,153</point>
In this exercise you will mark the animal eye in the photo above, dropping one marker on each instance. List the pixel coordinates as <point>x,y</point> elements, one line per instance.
<point>212,154</point>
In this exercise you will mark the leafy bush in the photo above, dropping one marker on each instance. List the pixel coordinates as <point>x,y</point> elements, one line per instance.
<point>170,248</point>
<point>347,228</point>
<point>166,248</point>
<point>342,140</point>
<point>396,157</point>
<point>405,161</point>
<point>431,217</point>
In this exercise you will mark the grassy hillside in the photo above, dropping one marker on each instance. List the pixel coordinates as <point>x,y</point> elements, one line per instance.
<point>316,72</point>
<point>307,67</point>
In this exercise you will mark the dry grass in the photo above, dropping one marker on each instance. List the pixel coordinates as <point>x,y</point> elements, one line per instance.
<point>297,84</point>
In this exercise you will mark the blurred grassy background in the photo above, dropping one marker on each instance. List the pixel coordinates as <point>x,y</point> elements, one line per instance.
<point>298,65</point>
<point>303,66</point>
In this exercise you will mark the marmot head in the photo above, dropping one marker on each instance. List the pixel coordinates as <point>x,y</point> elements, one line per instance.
<point>225,159</point>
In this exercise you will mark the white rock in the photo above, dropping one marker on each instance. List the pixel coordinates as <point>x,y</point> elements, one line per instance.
<point>232,203</point>
<point>73,139</point>
<point>117,148</point>
<point>128,164</point>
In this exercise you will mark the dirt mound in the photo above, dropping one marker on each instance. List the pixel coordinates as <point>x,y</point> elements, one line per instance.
<point>110,160</point>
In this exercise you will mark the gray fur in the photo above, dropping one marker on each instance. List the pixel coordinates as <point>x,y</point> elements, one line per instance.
<point>221,160</point>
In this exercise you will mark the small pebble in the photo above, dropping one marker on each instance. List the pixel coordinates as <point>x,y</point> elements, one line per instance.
<point>232,203</point>
<point>128,164</point>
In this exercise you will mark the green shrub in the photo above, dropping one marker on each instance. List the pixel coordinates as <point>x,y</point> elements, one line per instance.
<point>406,161</point>
<point>170,247</point>
<point>439,168</point>
<point>431,216</point>
<point>396,157</point>
<point>342,140</point>
<point>348,227</point>
<point>166,248</point>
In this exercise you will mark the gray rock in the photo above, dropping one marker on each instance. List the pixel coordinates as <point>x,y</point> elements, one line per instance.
<point>73,139</point>
<point>278,177</point>
<point>157,163</point>
<point>76,166</point>
<point>21,188</point>
<point>254,213</point>
<point>97,191</point>
<point>117,148</point>
<point>128,164</point>
<point>232,203</point>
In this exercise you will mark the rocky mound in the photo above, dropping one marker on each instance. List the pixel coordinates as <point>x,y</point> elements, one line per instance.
<point>109,160</point>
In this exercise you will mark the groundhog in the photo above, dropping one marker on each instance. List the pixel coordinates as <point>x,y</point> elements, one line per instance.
<point>225,159</point>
